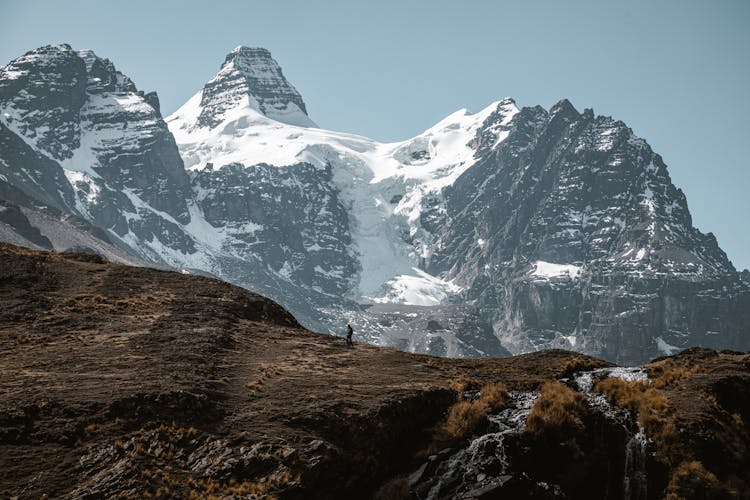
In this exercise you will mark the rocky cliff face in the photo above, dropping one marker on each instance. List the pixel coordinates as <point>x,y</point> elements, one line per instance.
<point>291,216</point>
<point>94,145</point>
<point>506,230</point>
<point>577,238</point>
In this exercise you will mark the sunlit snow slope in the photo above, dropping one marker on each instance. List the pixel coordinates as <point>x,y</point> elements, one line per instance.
<point>382,185</point>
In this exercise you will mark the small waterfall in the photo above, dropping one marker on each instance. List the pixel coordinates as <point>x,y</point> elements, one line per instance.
<point>584,382</point>
<point>634,474</point>
<point>483,465</point>
<point>635,482</point>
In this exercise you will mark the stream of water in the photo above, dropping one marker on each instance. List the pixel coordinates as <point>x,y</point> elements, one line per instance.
<point>636,448</point>
<point>483,466</point>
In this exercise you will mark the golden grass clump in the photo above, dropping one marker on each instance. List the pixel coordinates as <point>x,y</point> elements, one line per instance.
<point>463,383</point>
<point>462,419</point>
<point>102,303</point>
<point>559,408</point>
<point>266,487</point>
<point>637,396</point>
<point>264,372</point>
<point>668,372</point>
<point>464,416</point>
<point>653,411</point>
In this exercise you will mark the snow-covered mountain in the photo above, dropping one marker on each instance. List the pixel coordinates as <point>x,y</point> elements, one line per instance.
<point>93,145</point>
<point>382,187</point>
<point>504,230</point>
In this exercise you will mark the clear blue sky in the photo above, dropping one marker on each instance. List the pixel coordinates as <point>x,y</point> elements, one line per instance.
<point>676,71</point>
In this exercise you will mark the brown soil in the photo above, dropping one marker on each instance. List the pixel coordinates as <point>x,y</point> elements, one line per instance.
<point>708,422</point>
<point>131,381</point>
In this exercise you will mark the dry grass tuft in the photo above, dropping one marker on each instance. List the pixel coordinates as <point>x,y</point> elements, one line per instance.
<point>636,396</point>
<point>102,304</point>
<point>653,411</point>
<point>462,419</point>
<point>159,456</point>
<point>668,372</point>
<point>267,487</point>
<point>464,383</point>
<point>465,416</point>
<point>264,372</point>
<point>559,408</point>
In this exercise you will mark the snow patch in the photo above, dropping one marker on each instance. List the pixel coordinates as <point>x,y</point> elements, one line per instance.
<point>667,349</point>
<point>550,270</point>
<point>419,289</point>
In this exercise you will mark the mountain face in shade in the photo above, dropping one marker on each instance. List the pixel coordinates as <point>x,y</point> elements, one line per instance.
<point>501,231</point>
<point>95,146</point>
<point>578,238</point>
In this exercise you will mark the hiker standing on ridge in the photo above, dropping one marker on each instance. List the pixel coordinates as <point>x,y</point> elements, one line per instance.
<point>349,333</point>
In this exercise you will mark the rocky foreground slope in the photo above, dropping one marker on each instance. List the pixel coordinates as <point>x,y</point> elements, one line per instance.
<point>130,381</point>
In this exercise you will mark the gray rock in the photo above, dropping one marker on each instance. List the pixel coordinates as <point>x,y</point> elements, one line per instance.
<point>577,189</point>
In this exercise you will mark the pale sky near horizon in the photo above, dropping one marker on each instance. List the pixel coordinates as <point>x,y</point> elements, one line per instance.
<point>676,71</point>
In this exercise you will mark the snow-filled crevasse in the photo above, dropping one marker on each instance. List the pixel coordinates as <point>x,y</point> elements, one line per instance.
<point>636,448</point>
<point>483,465</point>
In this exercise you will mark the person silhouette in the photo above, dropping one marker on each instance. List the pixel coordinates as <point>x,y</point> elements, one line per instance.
<point>349,333</point>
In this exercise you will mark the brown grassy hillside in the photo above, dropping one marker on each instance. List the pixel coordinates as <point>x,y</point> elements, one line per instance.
<point>131,381</point>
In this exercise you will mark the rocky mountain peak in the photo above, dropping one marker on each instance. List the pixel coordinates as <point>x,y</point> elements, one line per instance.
<point>250,60</point>
<point>76,134</point>
<point>41,94</point>
<point>103,76</point>
<point>505,109</point>
<point>564,109</point>
<point>251,78</point>
<point>495,127</point>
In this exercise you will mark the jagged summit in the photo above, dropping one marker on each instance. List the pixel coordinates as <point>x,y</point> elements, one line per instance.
<point>103,76</point>
<point>250,60</point>
<point>250,79</point>
<point>106,150</point>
